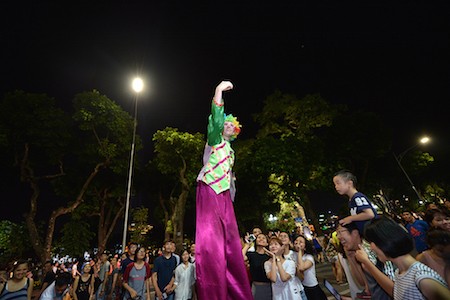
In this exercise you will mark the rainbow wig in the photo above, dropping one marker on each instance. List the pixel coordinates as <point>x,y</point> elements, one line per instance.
<point>237,126</point>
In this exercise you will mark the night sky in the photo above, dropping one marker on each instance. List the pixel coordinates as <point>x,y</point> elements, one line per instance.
<point>390,57</point>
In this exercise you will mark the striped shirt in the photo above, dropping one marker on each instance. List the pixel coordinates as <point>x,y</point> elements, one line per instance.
<point>407,285</point>
<point>388,268</point>
<point>21,294</point>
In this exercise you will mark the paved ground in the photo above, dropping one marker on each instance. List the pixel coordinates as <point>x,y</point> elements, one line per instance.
<point>324,271</point>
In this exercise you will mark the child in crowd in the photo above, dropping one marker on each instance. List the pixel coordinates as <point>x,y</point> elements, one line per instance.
<point>361,209</point>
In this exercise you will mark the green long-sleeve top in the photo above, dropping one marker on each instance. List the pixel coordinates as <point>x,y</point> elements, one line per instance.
<point>218,157</point>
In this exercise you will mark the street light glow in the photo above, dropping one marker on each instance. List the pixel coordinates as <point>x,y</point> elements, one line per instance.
<point>424,140</point>
<point>138,85</point>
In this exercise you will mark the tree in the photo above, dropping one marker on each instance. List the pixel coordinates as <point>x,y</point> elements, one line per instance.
<point>139,225</point>
<point>288,148</point>
<point>40,138</point>
<point>14,241</point>
<point>76,237</point>
<point>178,155</point>
<point>36,134</point>
<point>106,141</point>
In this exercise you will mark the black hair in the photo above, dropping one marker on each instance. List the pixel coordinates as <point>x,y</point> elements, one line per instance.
<point>389,236</point>
<point>168,241</point>
<point>438,236</point>
<point>347,175</point>
<point>309,248</point>
<point>350,226</point>
<point>63,278</point>
<point>430,213</point>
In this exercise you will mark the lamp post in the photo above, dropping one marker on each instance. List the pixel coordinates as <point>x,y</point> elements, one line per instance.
<point>137,86</point>
<point>399,157</point>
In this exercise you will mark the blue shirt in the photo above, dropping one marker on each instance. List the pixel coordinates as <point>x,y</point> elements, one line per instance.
<point>164,267</point>
<point>418,231</point>
<point>357,204</point>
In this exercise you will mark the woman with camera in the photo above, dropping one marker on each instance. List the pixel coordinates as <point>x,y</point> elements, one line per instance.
<point>136,278</point>
<point>261,288</point>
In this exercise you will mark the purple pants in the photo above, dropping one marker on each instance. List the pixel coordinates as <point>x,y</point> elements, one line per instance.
<point>220,267</point>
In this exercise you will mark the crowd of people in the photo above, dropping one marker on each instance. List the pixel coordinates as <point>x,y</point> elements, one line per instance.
<point>379,257</point>
<point>390,256</point>
<point>386,258</point>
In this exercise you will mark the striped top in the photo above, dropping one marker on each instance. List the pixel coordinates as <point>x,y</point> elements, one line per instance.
<point>406,285</point>
<point>21,294</point>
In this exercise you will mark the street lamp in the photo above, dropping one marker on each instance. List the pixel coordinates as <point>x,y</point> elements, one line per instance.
<point>399,157</point>
<point>137,86</point>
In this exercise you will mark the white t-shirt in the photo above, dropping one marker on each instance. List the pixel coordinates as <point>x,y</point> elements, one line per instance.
<point>184,280</point>
<point>288,290</point>
<point>310,279</point>
<point>50,294</point>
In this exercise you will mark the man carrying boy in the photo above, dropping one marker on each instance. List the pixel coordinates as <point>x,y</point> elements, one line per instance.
<point>361,209</point>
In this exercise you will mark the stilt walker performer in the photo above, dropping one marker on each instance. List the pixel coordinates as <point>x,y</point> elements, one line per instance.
<point>221,272</point>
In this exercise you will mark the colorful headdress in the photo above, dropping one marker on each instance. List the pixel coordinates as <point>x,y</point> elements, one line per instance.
<point>237,126</point>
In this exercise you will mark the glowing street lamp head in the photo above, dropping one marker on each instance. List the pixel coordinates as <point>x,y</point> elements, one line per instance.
<point>424,140</point>
<point>138,85</point>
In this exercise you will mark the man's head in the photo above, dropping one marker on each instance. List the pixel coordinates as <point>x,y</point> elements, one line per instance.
<point>349,236</point>
<point>192,249</point>
<point>62,282</point>
<point>167,246</point>
<point>231,128</point>
<point>344,181</point>
<point>132,247</point>
<point>48,267</point>
<point>105,255</point>
<point>408,217</point>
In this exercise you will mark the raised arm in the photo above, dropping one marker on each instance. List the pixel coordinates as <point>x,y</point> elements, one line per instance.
<point>30,288</point>
<point>272,272</point>
<point>303,265</point>
<point>216,119</point>
<point>220,88</point>
<point>246,247</point>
